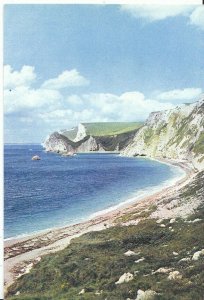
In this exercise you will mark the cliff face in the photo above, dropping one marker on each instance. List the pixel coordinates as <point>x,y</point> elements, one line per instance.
<point>56,142</point>
<point>81,133</point>
<point>59,143</point>
<point>177,133</point>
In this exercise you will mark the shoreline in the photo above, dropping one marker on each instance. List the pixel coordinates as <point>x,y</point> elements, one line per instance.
<point>23,252</point>
<point>131,200</point>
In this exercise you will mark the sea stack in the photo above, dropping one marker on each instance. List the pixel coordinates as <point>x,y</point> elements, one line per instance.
<point>36,157</point>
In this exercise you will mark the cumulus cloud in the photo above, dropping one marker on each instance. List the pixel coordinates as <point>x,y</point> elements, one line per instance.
<point>69,117</point>
<point>103,107</point>
<point>74,100</point>
<point>24,98</point>
<point>66,79</point>
<point>153,13</point>
<point>180,94</point>
<point>48,109</point>
<point>25,77</point>
<point>197,17</point>
<point>20,95</point>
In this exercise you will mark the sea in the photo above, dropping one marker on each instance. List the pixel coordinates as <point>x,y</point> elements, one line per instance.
<point>57,191</point>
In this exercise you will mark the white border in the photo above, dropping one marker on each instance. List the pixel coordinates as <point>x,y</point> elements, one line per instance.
<point>105,2</point>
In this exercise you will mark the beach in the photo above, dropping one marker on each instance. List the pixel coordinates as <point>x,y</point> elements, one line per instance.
<point>22,253</point>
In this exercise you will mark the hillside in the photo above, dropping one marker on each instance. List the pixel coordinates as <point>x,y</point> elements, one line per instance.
<point>88,137</point>
<point>103,129</point>
<point>163,257</point>
<point>177,133</point>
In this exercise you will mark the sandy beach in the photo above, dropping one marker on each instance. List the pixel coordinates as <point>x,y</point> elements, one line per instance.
<point>22,253</point>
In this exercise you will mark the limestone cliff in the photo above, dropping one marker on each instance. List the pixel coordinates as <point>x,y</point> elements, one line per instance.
<point>177,133</point>
<point>81,133</point>
<point>58,142</point>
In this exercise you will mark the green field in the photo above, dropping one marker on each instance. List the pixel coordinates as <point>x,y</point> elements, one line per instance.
<point>70,134</point>
<point>111,128</point>
<point>105,128</point>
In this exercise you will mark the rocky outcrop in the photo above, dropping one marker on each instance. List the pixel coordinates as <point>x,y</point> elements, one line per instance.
<point>81,133</point>
<point>126,277</point>
<point>176,134</point>
<point>146,295</point>
<point>59,143</point>
<point>87,144</point>
<point>56,142</point>
<point>198,254</point>
<point>36,157</point>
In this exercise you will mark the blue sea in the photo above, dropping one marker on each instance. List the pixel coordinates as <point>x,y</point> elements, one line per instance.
<point>58,191</point>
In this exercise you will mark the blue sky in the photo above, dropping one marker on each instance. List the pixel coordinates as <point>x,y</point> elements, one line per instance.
<point>66,64</point>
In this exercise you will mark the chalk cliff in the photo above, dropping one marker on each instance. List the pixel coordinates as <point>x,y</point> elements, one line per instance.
<point>83,142</point>
<point>177,133</point>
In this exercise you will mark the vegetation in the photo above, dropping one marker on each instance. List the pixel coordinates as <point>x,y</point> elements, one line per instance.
<point>199,145</point>
<point>117,135</point>
<point>96,260</point>
<point>70,134</point>
<point>111,128</point>
<point>104,128</point>
<point>135,215</point>
<point>187,133</point>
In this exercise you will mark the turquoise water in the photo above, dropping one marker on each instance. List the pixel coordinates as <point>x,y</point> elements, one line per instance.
<point>58,191</point>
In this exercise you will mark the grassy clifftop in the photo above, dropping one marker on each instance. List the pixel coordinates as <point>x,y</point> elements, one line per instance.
<point>111,128</point>
<point>104,128</point>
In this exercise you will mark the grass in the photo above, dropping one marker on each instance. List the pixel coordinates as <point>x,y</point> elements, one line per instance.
<point>105,128</point>
<point>111,128</point>
<point>199,145</point>
<point>70,134</point>
<point>134,215</point>
<point>96,260</point>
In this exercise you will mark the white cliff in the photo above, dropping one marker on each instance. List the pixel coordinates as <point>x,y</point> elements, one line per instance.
<point>57,143</point>
<point>81,133</point>
<point>177,133</point>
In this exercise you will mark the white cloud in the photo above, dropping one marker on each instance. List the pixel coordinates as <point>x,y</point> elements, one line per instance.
<point>74,100</point>
<point>67,118</point>
<point>19,94</point>
<point>49,110</point>
<point>130,106</point>
<point>180,94</point>
<point>156,12</point>
<point>197,17</point>
<point>24,98</point>
<point>153,13</point>
<point>55,114</point>
<point>25,77</point>
<point>66,79</point>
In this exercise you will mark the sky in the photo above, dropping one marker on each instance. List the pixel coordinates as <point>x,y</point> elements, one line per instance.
<point>66,64</point>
